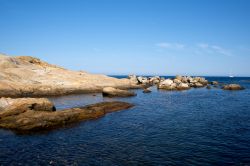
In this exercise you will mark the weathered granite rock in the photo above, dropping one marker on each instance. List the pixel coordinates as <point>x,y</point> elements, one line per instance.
<point>182,86</point>
<point>35,104</point>
<point>25,76</point>
<point>233,87</point>
<point>167,84</point>
<point>198,85</point>
<point>154,80</point>
<point>133,78</point>
<point>143,80</point>
<point>177,81</point>
<point>201,80</point>
<point>25,119</point>
<point>114,92</point>
<point>182,83</point>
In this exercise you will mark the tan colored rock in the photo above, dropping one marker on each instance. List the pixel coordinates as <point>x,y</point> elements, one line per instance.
<point>233,87</point>
<point>26,76</point>
<point>114,92</point>
<point>25,119</point>
<point>182,86</point>
<point>215,83</point>
<point>198,85</point>
<point>170,87</point>
<point>35,104</point>
<point>177,81</point>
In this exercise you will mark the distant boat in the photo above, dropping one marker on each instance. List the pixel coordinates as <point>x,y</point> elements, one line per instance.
<point>231,75</point>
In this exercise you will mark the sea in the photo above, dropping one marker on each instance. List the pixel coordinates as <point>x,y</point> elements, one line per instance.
<point>192,127</point>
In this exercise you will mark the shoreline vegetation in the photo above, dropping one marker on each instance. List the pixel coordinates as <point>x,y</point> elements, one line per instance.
<point>24,77</point>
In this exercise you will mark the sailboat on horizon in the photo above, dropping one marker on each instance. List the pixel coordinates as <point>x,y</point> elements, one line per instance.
<point>231,75</point>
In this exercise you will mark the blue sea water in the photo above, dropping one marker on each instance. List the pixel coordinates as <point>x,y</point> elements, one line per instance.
<point>193,127</point>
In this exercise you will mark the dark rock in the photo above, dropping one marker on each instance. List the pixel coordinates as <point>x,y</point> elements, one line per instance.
<point>27,119</point>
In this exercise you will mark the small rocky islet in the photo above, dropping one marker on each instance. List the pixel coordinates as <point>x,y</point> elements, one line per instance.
<point>180,83</point>
<point>23,77</point>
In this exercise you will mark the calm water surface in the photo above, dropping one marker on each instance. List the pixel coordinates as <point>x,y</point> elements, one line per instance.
<point>194,127</point>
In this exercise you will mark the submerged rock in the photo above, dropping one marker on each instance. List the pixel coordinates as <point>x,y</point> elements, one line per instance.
<point>114,92</point>
<point>147,90</point>
<point>233,87</point>
<point>23,118</point>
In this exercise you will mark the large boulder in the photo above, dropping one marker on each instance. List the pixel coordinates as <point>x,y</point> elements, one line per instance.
<point>35,104</point>
<point>25,119</point>
<point>177,81</point>
<point>233,87</point>
<point>183,86</point>
<point>183,79</point>
<point>198,85</point>
<point>154,80</point>
<point>167,84</point>
<point>143,80</point>
<point>114,92</point>
<point>201,80</point>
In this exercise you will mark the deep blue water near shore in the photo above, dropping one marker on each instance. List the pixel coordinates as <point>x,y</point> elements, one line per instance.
<point>194,127</point>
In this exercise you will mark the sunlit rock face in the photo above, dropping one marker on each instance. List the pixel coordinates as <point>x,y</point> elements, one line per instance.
<point>23,76</point>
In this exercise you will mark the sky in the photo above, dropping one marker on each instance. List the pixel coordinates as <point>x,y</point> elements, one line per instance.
<point>120,37</point>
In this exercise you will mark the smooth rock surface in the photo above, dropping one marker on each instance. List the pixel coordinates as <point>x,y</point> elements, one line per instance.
<point>27,119</point>
<point>35,104</point>
<point>24,76</point>
<point>114,92</point>
<point>233,87</point>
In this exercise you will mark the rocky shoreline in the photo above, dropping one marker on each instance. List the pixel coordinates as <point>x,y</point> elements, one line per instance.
<point>37,114</point>
<point>23,77</point>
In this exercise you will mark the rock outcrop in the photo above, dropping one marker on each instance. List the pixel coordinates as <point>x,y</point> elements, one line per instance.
<point>31,114</point>
<point>114,92</point>
<point>24,76</point>
<point>145,81</point>
<point>182,83</point>
<point>232,87</point>
<point>21,104</point>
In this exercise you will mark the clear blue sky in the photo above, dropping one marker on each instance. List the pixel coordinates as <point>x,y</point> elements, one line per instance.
<point>166,37</point>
